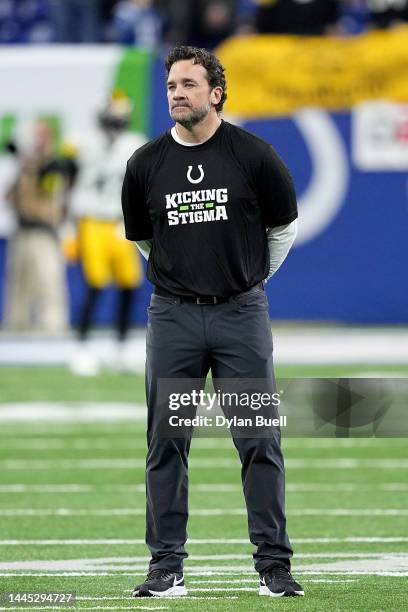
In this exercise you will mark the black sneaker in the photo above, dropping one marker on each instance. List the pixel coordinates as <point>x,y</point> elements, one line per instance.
<point>161,583</point>
<point>277,581</point>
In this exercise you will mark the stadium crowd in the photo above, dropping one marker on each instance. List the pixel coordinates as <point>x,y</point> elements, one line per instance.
<point>158,23</point>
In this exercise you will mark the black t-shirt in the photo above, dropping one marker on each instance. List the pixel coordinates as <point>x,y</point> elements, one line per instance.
<point>206,208</point>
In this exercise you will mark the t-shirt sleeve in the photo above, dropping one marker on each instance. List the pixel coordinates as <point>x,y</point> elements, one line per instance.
<point>276,191</point>
<point>138,225</point>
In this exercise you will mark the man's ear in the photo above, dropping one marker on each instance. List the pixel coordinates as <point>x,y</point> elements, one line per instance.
<point>216,95</point>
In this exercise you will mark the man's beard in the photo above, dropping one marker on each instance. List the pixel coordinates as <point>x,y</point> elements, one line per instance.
<point>196,116</point>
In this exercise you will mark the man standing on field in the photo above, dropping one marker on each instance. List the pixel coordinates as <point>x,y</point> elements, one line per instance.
<point>213,209</point>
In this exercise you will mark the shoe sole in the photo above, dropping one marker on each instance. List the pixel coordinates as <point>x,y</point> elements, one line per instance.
<point>263,590</point>
<point>176,591</point>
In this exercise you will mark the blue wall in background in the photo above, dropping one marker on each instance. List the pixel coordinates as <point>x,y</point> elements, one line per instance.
<point>355,269</point>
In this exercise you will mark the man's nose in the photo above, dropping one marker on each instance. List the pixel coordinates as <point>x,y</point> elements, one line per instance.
<point>178,93</point>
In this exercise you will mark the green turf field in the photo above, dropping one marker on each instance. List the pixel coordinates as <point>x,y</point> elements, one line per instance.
<point>72,508</point>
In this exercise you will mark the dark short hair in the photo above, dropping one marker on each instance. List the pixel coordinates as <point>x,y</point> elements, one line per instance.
<point>213,66</point>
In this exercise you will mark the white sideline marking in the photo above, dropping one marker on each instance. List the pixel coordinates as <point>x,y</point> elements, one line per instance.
<point>352,540</point>
<point>326,555</point>
<point>334,443</point>
<point>383,563</point>
<point>134,607</point>
<point>59,439</point>
<point>204,542</point>
<point>221,589</point>
<point>356,561</point>
<point>101,443</point>
<point>72,464</point>
<point>90,488</point>
<point>46,443</point>
<point>64,512</point>
<point>59,444</point>
<point>128,563</point>
<point>137,607</point>
<point>255,581</point>
<point>200,572</point>
<point>349,512</point>
<point>218,463</point>
<point>77,412</point>
<point>64,574</point>
<point>328,580</point>
<point>199,488</point>
<point>69,488</point>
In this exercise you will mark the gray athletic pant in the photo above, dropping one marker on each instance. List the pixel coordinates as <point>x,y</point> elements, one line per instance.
<point>234,340</point>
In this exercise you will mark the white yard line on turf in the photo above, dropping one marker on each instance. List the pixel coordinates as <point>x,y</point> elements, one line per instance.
<point>129,563</point>
<point>391,561</point>
<point>326,555</point>
<point>341,443</point>
<point>65,574</point>
<point>69,488</point>
<point>66,512</point>
<point>255,581</point>
<point>77,412</point>
<point>57,442</point>
<point>223,589</point>
<point>138,608</point>
<point>343,487</point>
<point>204,542</point>
<point>209,572</point>
<point>219,463</point>
<point>89,488</point>
<point>108,443</point>
<point>134,607</point>
<point>328,581</point>
<point>74,444</point>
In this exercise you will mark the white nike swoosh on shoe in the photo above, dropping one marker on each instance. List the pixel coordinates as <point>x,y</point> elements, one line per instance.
<point>176,582</point>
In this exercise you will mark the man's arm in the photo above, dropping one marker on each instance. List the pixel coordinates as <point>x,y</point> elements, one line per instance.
<point>280,239</point>
<point>138,224</point>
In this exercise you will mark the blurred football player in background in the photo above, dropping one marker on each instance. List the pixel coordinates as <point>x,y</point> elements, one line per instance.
<point>104,252</point>
<point>36,289</point>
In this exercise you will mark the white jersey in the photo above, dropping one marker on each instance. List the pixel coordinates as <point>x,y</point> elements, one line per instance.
<point>102,166</point>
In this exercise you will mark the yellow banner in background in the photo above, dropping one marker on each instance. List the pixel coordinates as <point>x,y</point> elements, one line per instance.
<point>276,75</point>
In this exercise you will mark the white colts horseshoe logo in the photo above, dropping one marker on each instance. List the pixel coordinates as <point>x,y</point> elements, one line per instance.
<point>198,180</point>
